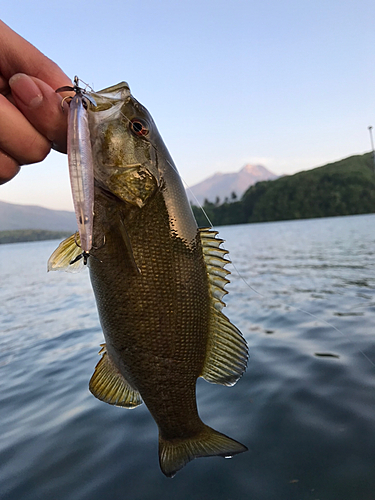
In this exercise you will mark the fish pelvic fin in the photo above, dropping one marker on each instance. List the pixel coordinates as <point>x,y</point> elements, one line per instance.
<point>109,385</point>
<point>65,255</point>
<point>175,454</point>
<point>227,350</point>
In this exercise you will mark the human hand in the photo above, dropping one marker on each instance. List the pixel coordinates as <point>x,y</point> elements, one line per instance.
<point>31,120</point>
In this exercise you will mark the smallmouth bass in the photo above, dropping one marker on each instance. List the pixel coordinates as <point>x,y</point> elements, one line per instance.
<point>158,281</point>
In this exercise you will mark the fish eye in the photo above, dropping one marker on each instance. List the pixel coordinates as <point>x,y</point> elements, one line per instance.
<point>139,127</point>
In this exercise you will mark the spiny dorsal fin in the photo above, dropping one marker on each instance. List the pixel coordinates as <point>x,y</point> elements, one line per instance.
<point>108,384</point>
<point>227,351</point>
<point>215,263</point>
<point>65,253</point>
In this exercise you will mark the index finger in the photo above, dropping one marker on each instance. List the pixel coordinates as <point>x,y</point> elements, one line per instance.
<point>17,55</point>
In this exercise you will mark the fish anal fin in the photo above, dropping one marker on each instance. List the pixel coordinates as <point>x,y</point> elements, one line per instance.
<point>227,350</point>
<point>174,454</point>
<point>109,385</point>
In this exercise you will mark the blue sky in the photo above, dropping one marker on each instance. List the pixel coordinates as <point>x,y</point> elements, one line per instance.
<point>288,84</point>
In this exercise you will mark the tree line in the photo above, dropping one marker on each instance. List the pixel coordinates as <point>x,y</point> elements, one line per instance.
<point>21,235</point>
<point>346,187</point>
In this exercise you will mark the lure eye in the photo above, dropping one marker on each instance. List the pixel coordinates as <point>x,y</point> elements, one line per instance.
<point>139,127</point>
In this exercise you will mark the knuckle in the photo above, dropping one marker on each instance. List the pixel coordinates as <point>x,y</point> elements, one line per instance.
<point>9,168</point>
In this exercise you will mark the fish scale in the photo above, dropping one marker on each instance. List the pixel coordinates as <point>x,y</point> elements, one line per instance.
<point>162,285</point>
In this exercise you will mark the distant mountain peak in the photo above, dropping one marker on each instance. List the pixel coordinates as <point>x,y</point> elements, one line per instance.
<point>249,167</point>
<point>255,169</point>
<point>13,216</point>
<point>222,185</point>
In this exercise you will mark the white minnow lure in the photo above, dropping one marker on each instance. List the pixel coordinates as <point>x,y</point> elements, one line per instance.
<point>81,166</point>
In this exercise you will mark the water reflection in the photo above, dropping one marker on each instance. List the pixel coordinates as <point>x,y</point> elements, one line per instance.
<point>305,407</point>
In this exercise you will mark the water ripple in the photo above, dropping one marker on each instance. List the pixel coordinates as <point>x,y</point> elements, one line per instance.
<point>304,408</point>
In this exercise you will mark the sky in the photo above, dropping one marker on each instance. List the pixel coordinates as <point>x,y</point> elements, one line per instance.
<point>286,84</point>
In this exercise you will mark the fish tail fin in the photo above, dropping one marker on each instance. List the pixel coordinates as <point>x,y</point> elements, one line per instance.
<point>174,454</point>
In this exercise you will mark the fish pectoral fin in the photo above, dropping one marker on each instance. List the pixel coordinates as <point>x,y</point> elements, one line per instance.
<point>64,258</point>
<point>227,350</point>
<point>129,250</point>
<point>109,385</point>
<point>174,454</point>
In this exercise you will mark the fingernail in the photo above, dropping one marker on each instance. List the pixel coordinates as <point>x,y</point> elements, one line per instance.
<point>24,88</point>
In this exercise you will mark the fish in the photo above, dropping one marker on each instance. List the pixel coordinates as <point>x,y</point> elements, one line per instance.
<point>158,282</point>
<point>81,165</point>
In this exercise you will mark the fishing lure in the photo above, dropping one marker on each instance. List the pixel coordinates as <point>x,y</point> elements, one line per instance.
<point>81,166</point>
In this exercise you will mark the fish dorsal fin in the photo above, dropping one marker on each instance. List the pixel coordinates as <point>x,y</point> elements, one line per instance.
<point>227,351</point>
<point>65,253</point>
<point>109,385</point>
<point>215,264</point>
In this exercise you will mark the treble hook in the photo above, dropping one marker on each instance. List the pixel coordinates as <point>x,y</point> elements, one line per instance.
<point>79,91</point>
<point>85,255</point>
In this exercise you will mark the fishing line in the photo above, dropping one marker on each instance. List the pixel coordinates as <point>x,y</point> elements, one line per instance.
<point>172,166</point>
<point>229,262</point>
<point>87,86</point>
<point>308,313</point>
<point>187,187</point>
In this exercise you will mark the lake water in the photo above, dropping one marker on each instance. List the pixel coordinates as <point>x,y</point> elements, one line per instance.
<point>307,419</point>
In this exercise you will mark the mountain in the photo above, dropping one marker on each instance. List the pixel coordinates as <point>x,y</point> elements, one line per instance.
<point>33,217</point>
<point>345,187</point>
<point>223,185</point>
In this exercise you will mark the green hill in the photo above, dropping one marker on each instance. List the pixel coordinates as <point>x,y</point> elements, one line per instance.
<point>20,235</point>
<point>346,187</point>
